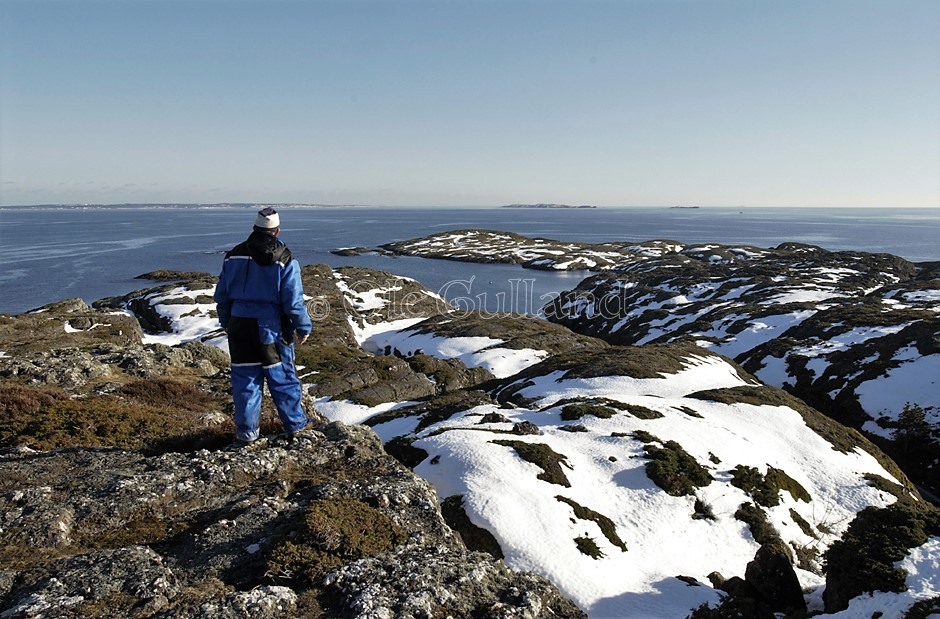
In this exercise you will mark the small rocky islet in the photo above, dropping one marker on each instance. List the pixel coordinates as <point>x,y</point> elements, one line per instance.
<point>121,497</point>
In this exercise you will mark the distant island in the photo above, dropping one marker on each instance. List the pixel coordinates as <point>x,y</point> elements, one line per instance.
<point>547,206</point>
<point>684,207</point>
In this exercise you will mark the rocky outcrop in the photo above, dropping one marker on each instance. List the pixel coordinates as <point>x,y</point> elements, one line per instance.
<point>137,506</point>
<point>213,534</point>
<point>489,246</point>
<point>154,307</point>
<point>183,526</point>
<point>838,329</point>
<point>65,324</point>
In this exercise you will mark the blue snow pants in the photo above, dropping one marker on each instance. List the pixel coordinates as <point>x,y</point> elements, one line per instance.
<point>260,353</point>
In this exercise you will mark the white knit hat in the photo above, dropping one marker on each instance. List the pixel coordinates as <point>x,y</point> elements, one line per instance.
<point>268,219</point>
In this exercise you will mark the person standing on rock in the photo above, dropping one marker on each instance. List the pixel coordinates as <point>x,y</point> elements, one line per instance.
<point>260,302</point>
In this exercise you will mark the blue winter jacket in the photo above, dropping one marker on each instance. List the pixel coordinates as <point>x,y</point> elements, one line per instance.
<point>260,279</point>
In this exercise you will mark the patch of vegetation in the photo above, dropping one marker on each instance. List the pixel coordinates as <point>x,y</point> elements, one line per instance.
<point>143,530</point>
<point>117,604</point>
<point>641,412</point>
<point>756,395</point>
<point>47,418</point>
<point>752,482</point>
<point>765,489</point>
<point>516,331</point>
<point>648,361</point>
<point>644,437</point>
<point>588,547</point>
<point>691,412</point>
<point>777,478</point>
<point>334,532</point>
<point>475,538</point>
<point>16,555</point>
<point>886,485</point>
<point>703,511</point>
<point>863,560</point>
<point>607,526</point>
<point>671,467</point>
<point>713,458</point>
<point>924,609</point>
<point>169,393</point>
<point>801,522</point>
<point>542,456</point>
<point>599,401</point>
<point>573,412</point>
<point>754,517</point>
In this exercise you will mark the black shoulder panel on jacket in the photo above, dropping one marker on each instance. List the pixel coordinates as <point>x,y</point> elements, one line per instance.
<point>265,249</point>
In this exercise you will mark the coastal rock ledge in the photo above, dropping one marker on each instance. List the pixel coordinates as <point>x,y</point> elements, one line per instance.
<point>326,526</point>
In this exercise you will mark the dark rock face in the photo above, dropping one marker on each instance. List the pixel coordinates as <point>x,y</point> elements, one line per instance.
<point>772,576</point>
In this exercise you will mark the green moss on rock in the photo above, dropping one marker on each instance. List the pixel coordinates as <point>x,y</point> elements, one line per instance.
<point>750,480</point>
<point>777,478</point>
<point>542,456</point>
<point>334,532</point>
<point>885,485</point>
<point>801,522</point>
<point>644,437</point>
<point>46,418</point>
<point>765,489</point>
<point>607,526</point>
<point>754,517</point>
<point>672,468</point>
<point>573,412</point>
<point>588,546</point>
<point>642,412</point>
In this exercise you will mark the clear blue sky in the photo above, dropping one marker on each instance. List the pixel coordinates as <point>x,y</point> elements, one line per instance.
<point>632,102</point>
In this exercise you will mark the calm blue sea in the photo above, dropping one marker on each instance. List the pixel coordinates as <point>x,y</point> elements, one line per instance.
<point>52,254</point>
